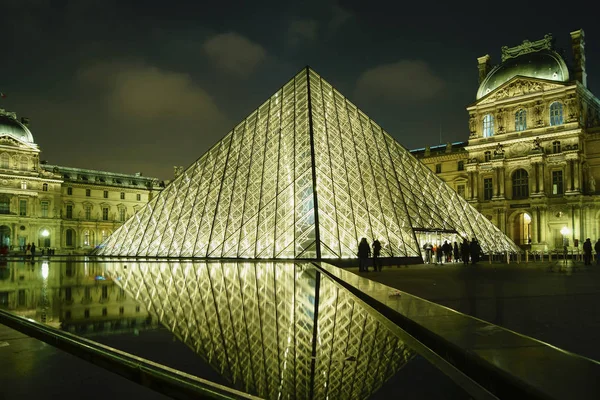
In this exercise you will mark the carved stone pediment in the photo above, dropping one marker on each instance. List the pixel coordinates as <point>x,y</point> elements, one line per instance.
<point>519,87</point>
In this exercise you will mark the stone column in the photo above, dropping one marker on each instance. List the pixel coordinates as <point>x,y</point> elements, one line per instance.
<point>543,224</point>
<point>502,181</point>
<point>535,220</point>
<point>576,172</point>
<point>536,169</point>
<point>568,186</point>
<point>541,178</point>
<point>470,186</point>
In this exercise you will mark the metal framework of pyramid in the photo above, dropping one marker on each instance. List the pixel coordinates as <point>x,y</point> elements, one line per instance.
<point>306,175</point>
<point>254,323</point>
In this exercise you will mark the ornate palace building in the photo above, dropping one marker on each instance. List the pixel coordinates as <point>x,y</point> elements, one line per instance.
<point>63,208</point>
<point>533,156</point>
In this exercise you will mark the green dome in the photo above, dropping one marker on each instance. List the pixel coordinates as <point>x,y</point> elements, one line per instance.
<point>10,126</point>
<point>544,64</point>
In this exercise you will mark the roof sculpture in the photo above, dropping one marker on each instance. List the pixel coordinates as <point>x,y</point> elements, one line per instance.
<point>11,126</point>
<point>305,175</point>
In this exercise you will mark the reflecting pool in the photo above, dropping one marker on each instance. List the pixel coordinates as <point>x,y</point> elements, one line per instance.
<point>272,329</point>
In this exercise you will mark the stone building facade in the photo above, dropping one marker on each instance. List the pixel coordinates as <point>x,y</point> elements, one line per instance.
<point>62,208</point>
<point>532,160</point>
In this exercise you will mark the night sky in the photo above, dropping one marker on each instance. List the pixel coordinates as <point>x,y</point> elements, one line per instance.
<point>143,86</point>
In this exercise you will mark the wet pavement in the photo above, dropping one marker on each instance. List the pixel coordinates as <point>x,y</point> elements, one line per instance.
<point>553,302</point>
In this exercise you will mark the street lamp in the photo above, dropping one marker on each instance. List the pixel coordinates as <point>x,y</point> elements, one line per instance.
<point>565,234</point>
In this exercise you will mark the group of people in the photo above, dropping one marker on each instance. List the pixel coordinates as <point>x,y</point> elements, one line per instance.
<point>30,251</point>
<point>447,253</point>
<point>587,252</point>
<point>364,253</point>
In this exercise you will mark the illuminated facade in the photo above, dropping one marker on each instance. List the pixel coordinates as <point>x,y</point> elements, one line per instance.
<point>306,175</point>
<point>533,156</point>
<point>63,208</point>
<point>256,323</point>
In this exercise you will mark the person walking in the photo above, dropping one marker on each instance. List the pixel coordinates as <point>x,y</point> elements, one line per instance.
<point>376,253</point>
<point>447,249</point>
<point>428,247</point>
<point>474,249</point>
<point>438,253</point>
<point>597,248</point>
<point>364,252</point>
<point>464,251</point>
<point>587,252</point>
<point>456,252</point>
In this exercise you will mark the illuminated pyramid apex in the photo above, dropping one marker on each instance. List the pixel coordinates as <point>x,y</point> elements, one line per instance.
<point>305,175</point>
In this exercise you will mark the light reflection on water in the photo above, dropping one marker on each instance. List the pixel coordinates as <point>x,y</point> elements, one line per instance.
<point>253,322</point>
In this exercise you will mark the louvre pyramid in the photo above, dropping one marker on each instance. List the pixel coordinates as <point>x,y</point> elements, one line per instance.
<point>254,322</point>
<point>305,175</point>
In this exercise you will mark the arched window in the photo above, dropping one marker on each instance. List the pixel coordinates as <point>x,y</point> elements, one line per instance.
<point>24,163</point>
<point>520,182</point>
<point>4,160</point>
<point>86,238</point>
<point>488,125</point>
<point>556,146</point>
<point>487,156</point>
<point>521,120</point>
<point>44,187</point>
<point>70,238</point>
<point>556,113</point>
<point>4,205</point>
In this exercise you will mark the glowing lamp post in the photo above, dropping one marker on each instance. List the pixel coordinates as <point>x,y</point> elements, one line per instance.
<point>565,233</point>
<point>45,233</point>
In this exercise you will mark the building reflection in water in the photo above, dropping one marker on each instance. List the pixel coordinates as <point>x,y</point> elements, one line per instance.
<point>254,322</point>
<point>73,295</point>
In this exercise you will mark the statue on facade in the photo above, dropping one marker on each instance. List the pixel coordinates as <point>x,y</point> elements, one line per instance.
<point>592,184</point>
<point>538,110</point>
<point>499,150</point>
<point>472,124</point>
<point>537,144</point>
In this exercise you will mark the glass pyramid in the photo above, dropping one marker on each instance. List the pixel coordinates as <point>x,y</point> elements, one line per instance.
<point>305,175</point>
<point>278,330</point>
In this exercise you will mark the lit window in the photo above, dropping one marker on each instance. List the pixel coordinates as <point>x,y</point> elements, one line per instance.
<point>557,182</point>
<point>105,234</point>
<point>460,189</point>
<point>4,205</point>
<point>69,211</point>
<point>521,120</point>
<point>44,206</point>
<point>487,156</point>
<point>461,165</point>
<point>556,113</point>
<point>45,187</point>
<point>488,125</point>
<point>438,168</point>
<point>104,213</point>
<point>520,183</point>
<point>138,197</point>
<point>88,212</point>
<point>488,189</point>
<point>122,214</point>
<point>23,185</point>
<point>122,195</point>
<point>22,207</point>
<point>106,194</point>
<point>86,238</point>
<point>70,191</point>
<point>556,147</point>
<point>88,192</point>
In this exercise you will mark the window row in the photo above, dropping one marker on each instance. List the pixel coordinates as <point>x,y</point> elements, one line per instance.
<point>87,213</point>
<point>460,167</point>
<point>22,162</point>
<point>556,118</point>
<point>105,194</point>
<point>86,312</point>
<point>23,207</point>
<point>87,238</point>
<point>520,185</point>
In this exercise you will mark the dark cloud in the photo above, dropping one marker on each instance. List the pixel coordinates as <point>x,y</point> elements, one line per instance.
<point>234,53</point>
<point>302,30</point>
<point>400,82</point>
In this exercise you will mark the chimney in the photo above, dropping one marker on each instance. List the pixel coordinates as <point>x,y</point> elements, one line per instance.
<point>485,66</point>
<point>578,44</point>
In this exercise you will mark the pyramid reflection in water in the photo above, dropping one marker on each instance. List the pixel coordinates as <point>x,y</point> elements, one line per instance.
<point>254,323</point>
<point>305,175</point>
